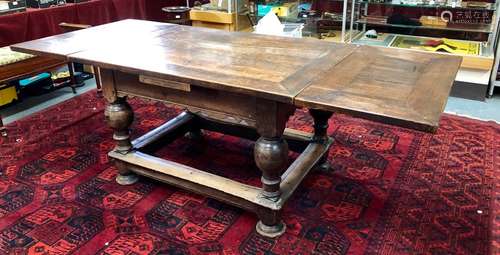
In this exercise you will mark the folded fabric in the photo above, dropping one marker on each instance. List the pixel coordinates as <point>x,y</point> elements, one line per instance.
<point>455,47</point>
<point>7,56</point>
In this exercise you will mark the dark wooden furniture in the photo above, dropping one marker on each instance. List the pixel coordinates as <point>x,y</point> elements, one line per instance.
<point>26,68</point>
<point>70,27</point>
<point>248,85</point>
<point>40,64</point>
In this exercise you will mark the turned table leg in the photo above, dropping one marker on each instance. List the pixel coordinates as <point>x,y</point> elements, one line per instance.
<point>119,116</point>
<point>270,223</point>
<point>320,134</point>
<point>195,132</point>
<point>271,157</point>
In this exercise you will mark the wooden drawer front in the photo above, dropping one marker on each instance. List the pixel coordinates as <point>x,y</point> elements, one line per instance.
<point>165,83</point>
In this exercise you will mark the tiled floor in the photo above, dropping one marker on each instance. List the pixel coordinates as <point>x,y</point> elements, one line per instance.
<point>488,110</point>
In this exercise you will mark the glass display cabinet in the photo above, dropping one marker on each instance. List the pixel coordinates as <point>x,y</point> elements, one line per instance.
<point>325,20</point>
<point>229,15</point>
<point>463,28</point>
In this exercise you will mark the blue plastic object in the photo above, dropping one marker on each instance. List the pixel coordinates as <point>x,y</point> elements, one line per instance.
<point>263,9</point>
<point>28,81</point>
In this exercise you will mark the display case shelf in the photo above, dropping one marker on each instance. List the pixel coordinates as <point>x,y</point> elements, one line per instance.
<point>474,28</point>
<point>481,58</point>
<point>463,6</point>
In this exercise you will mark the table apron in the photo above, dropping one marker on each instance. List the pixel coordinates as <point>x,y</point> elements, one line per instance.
<point>228,107</point>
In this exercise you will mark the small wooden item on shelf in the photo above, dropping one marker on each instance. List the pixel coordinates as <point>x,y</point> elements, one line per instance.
<point>433,21</point>
<point>476,4</point>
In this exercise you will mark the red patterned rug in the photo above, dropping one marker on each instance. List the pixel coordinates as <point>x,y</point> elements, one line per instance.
<point>391,190</point>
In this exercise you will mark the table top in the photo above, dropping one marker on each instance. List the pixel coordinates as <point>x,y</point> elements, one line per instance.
<point>399,87</point>
<point>117,34</point>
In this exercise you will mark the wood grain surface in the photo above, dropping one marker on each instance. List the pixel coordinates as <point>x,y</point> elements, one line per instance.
<point>396,86</point>
<point>276,68</point>
<point>389,85</point>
